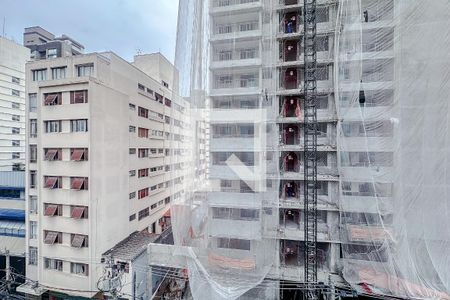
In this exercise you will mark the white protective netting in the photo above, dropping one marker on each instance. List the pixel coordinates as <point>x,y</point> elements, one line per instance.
<point>391,87</point>
<point>225,223</point>
<point>392,84</point>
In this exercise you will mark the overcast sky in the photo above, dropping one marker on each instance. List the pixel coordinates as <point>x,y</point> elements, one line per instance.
<point>122,26</point>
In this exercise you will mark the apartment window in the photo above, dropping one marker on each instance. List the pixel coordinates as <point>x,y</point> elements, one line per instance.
<point>32,101</point>
<point>59,73</point>
<point>78,154</point>
<point>153,206</point>
<point>131,106</point>
<point>33,230</point>
<point>52,53</point>
<point>33,208</point>
<point>132,173</point>
<point>79,125</point>
<point>143,173</point>
<point>39,75</point>
<point>15,143</point>
<point>142,193</point>
<point>225,55</point>
<point>52,126</point>
<point>165,84</point>
<point>248,26</point>
<point>33,179</point>
<point>79,269</point>
<point>85,70</point>
<point>141,87</point>
<point>77,97</point>
<point>15,93</point>
<point>161,202</point>
<point>53,264</point>
<point>33,128</point>
<point>159,98</point>
<point>52,182</point>
<point>52,99</point>
<point>15,105</point>
<point>132,195</point>
<point>52,237</point>
<point>15,155</point>
<point>168,102</point>
<point>33,153</point>
<point>52,154</point>
<point>33,256</point>
<point>15,117</point>
<point>78,212</point>
<point>132,217</point>
<point>238,244</point>
<point>18,167</point>
<point>52,210</point>
<point>143,213</point>
<point>132,129</point>
<point>248,80</point>
<point>15,130</point>
<point>142,112</point>
<point>224,81</point>
<point>78,240</point>
<point>132,151</point>
<point>225,183</point>
<point>79,183</point>
<point>149,91</point>
<point>142,132</point>
<point>143,153</point>
<point>222,29</point>
<point>248,53</point>
<point>167,200</point>
<point>15,80</point>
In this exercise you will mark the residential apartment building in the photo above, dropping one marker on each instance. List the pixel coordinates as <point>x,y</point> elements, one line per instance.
<point>45,45</point>
<point>12,110</point>
<point>254,88</point>
<point>105,158</point>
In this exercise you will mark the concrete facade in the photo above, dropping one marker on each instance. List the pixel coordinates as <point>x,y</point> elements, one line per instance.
<point>44,45</point>
<point>106,159</point>
<point>12,105</point>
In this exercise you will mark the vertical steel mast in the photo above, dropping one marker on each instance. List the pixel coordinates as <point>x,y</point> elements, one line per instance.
<point>310,148</point>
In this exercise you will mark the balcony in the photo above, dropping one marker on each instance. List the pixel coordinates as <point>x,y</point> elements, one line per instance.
<point>236,31</point>
<point>233,228</point>
<point>227,6</point>
<point>368,234</point>
<point>295,4</point>
<point>247,55</point>
<point>243,84</point>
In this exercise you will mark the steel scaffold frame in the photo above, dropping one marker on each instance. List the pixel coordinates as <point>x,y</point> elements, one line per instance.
<point>310,148</point>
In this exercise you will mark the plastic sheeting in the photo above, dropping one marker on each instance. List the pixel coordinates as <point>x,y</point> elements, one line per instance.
<point>393,88</point>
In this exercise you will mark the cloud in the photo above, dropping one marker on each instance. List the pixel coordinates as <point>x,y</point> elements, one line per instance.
<point>101,25</point>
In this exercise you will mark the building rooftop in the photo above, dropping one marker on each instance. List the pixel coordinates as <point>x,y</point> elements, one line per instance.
<point>132,246</point>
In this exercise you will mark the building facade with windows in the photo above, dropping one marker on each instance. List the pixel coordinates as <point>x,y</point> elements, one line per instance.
<point>251,53</point>
<point>45,45</point>
<point>105,158</point>
<point>12,112</point>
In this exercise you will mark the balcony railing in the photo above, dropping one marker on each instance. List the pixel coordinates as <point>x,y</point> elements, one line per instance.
<point>224,3</point>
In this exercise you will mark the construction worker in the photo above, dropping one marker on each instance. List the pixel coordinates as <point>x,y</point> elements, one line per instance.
<point>366,16</point>
<point>289,27</point>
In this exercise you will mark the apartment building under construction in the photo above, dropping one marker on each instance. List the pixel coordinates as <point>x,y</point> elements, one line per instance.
<point>247,237</point>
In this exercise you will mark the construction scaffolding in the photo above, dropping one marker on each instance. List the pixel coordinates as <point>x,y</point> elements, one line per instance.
<point>326,149</point>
